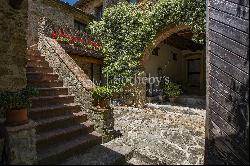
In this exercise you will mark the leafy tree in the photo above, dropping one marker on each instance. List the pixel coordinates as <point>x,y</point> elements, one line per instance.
<point>126,29</point>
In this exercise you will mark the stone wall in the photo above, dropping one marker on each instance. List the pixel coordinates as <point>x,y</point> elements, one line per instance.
<point>69,72</point>
<point>85,63</point>
<point>97,78</point>
<point>38,10</point>
<point>135,94</point>
<point>87,69</point>
<point>56,12</point>
<point>1,148</point>
<point>22,144</point>
<point>13,25</point>
<point>104,123</point>
<point>91,6</point>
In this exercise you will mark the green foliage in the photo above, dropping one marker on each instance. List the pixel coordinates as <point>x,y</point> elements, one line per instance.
<point>102,93</point>
<point>126,30</point>
<point>172,89</point>
<point>63,40</point>
<point>17,100</point>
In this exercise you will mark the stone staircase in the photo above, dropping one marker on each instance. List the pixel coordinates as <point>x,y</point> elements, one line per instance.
<point>62,129</point>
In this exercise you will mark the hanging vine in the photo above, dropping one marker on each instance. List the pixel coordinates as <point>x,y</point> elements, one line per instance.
<point>126,29</point>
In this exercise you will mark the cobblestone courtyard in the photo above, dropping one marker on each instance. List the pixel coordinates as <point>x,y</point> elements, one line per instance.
<point>164,135</point>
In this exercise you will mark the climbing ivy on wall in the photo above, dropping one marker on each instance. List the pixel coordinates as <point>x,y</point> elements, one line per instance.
<point>125,31</point>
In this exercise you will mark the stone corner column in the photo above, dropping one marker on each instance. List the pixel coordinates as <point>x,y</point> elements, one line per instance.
<point>22,144</point>
<point>104,122</point>
<point>135,93</point>
<point>140,90</point>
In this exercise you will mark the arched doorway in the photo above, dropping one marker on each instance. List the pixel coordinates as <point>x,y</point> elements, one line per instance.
<point>174,56</point>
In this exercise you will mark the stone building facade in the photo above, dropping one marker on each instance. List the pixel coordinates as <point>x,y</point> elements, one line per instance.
<point>16,143</point>
<point>55,12</point>
<point>58,14</point>
<point>94,7</point>
<point>91,66</point>
<point>13,44</point>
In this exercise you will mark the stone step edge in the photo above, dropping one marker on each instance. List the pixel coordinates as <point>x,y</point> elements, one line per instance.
<point>44,81</point>
<point>51,97</point>
<point>62,148</point>
<point>59,132</point>
<point>111,153</point>
<point>40,73</point>
<point>59,106</point>
<point>59,118</point>
<point>52,88</point>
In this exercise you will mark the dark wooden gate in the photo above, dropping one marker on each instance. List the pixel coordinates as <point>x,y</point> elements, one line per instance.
<point>227,125</point>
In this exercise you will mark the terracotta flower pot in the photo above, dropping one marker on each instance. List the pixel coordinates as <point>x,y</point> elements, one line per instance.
<point>101,103</point>
<point>104,103</point>
<point>16,117</point>
<point>172,99</point>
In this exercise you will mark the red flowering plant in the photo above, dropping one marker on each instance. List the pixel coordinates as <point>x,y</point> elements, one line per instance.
<point>61,37</point>
<point>83,40</point>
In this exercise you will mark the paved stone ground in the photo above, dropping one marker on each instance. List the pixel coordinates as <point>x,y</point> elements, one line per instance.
<point>163,134</point>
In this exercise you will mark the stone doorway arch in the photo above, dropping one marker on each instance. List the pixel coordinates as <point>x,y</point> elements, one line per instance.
<point>161,37</point>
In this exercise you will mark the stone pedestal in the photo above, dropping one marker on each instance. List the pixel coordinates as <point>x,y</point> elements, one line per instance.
<point>1,147</point>
<point>104,122</point>
<point>22,144</point>
<point>135,94</point>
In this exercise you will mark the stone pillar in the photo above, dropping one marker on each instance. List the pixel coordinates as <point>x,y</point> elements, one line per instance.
<point>104,122</point>
<point>140,90</point>
<point>135,94</point>
<point>1,146</point>
<point>13,45</point>
<point>22,144</point>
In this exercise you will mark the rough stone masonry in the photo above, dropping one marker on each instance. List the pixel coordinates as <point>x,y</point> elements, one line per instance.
<point>13,25</point>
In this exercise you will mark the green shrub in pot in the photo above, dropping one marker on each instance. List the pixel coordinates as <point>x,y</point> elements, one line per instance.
<point>15,105</point>
<point>101,95</point>
<point>172,90</point>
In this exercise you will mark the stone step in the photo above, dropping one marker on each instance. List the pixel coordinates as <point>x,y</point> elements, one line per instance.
<point>45,101</point>
<point>41,76</point>
<point>33,52</point>
<point>39,69</point>
<point>192,101</point>
<point>58,153</point>
<point>54,91</point>
<point>53,111</point>
<point>48,124</point>
<point>36,57</point>
<point>111,153</point>
<point>65,134</point>
<point>45,84</point>
<point>37,63</point>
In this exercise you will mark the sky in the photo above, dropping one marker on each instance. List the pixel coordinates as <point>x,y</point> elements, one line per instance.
<point>71,2</point>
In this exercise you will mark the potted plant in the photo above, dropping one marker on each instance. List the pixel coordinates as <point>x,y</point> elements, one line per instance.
<point>172,91</point>
<point>101,96</point>
<point>15,105</point>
